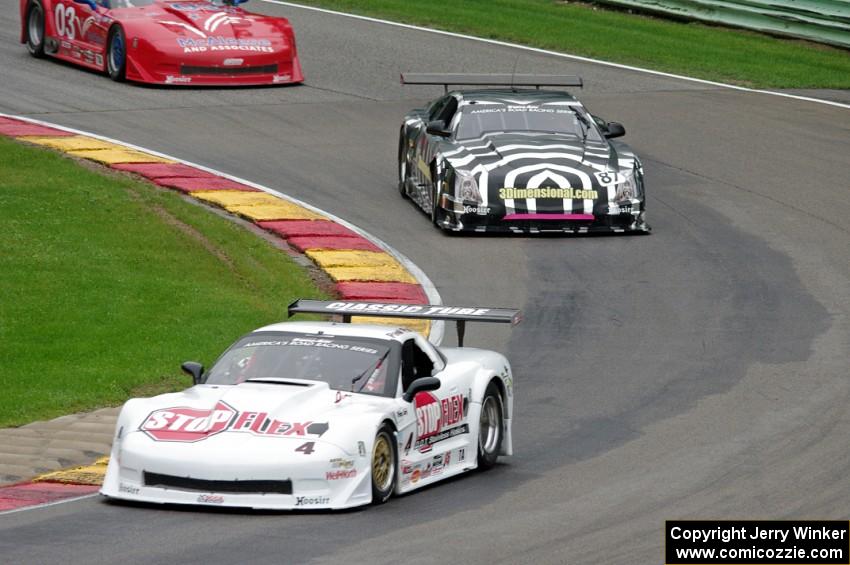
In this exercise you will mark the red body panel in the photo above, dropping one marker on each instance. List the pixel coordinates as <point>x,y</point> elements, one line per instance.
<point>193,42</point>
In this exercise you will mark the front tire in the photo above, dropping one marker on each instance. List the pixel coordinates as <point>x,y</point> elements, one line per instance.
<point>383,465</point>
<point>490,428</point>
<point>435,216</point>
<point>116,54</point>
<point>35,29</point>
<point>402,168</point>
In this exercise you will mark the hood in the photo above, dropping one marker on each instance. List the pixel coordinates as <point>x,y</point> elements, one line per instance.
<point>205,25</point>
<point>506,148</point>
<point>552,171</point>
<point>285,409</point>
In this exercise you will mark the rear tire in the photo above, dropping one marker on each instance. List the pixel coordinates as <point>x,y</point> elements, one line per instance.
<point>116,54</point>
<point>490,428</point>
<point>383,465</point>
<point>35,29</point>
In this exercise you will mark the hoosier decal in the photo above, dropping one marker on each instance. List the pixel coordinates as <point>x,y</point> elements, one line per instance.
<point>193,424</point>
<point>438,419</point>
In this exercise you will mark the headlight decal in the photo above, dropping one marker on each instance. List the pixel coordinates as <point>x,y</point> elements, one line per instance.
<point>466,189</point>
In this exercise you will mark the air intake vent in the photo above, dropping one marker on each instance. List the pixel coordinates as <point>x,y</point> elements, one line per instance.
<point>218,71</point>
<point>202,485</point>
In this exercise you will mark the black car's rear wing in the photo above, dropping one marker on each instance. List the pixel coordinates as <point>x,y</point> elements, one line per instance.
<point>510,80</point>
<point>458,314</point>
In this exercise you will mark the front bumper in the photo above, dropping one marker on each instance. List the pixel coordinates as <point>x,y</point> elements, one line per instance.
<point>143,471</point>
<point>181,72</point>
<point>453,215</point>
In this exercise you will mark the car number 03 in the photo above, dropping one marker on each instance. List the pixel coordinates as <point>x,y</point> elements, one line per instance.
<point>307,448</point>
<point>63,17</point>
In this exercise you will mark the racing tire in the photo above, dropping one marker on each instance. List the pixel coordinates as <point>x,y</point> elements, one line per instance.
<point>491,426</point>
<point>435,217</point>
<point>35,29</point>
<point>383,465</point>
<point>116,54</point>
<point>402,169</point>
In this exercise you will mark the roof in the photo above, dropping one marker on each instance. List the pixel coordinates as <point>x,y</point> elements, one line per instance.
<point>499,94</point>
<point>375,331</point>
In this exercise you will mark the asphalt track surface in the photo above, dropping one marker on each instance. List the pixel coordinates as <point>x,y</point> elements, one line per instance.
<point>700,372</point>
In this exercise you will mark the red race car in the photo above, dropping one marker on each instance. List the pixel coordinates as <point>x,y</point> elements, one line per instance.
<point>207,42</point>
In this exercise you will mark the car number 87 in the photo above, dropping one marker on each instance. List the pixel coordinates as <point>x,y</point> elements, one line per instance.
<point>63,17</point>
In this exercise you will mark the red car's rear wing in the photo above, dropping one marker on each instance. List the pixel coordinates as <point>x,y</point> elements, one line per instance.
<point>458,314</point>
<point>510,80</point>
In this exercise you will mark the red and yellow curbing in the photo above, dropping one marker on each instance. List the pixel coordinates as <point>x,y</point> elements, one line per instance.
<point>361,268</point>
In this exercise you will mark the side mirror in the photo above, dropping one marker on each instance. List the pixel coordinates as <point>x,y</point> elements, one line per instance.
<point>90,3</point>
<point>438,127</point>
<point>613,129</point>
<point>195,369</point>
<point>421,385</point>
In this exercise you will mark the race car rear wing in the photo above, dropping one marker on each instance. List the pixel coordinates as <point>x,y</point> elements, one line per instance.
<point>458,314</point>
<point>510,80</point>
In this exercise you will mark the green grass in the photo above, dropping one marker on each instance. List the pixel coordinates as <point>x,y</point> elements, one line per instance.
<point>108,284</point>
<point>692,49</point>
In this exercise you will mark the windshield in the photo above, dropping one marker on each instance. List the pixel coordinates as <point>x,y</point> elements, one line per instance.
<point>115,4</point>
<point>478,119</point>
<point>345,363</point>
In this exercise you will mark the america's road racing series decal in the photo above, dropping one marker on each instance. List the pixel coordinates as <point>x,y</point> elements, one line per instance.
<point>438,419</point>
<point>193,424</point>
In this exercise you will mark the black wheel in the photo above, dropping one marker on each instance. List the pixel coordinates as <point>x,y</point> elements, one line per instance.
<point>116,54</point>
<point>490,427</point>
<point>403,173</point>
<point>435,217</point>
<point>383,465</point>
<point>35,29</point>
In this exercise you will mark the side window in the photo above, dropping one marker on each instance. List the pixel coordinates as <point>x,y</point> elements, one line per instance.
<point>415,363</point>
<point>436,109</point>
<point>448,111</point>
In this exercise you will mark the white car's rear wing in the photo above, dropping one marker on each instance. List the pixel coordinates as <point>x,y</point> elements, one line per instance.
<point>459,314</point>
<point>511,80</point>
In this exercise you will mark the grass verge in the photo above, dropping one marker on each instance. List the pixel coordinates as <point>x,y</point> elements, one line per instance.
<point>693,49</point>
<point>107,284</point>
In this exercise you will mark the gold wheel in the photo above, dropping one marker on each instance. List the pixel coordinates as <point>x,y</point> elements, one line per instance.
<point>383,466</point>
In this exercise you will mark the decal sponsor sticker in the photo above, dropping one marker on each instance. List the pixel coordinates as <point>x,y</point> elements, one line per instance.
<point>220,43</point>
<point>313,342</point>
<point>171,79</point>
<point>340,474</point>
<point>529,109</point>
<point>404,309</point>
<point>340,396</point>
<point>211,499</point>
<point>361,448</point>
<point>129,489</point>
<point>480,210</point>
<point>183,424</point>
<point>437,419</point>
<point>548,192</point>
<point>341,463</point>
<point>311,500</point>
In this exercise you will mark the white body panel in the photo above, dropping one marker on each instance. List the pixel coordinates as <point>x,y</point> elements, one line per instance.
<point>197,446</point>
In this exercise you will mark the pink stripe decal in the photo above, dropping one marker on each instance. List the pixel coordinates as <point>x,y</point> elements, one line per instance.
<point>548,217</point>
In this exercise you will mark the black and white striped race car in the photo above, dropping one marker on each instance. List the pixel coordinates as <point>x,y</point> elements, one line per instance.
<point>518,159</point>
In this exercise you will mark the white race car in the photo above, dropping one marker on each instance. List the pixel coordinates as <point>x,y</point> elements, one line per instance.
<point>320,415</point>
